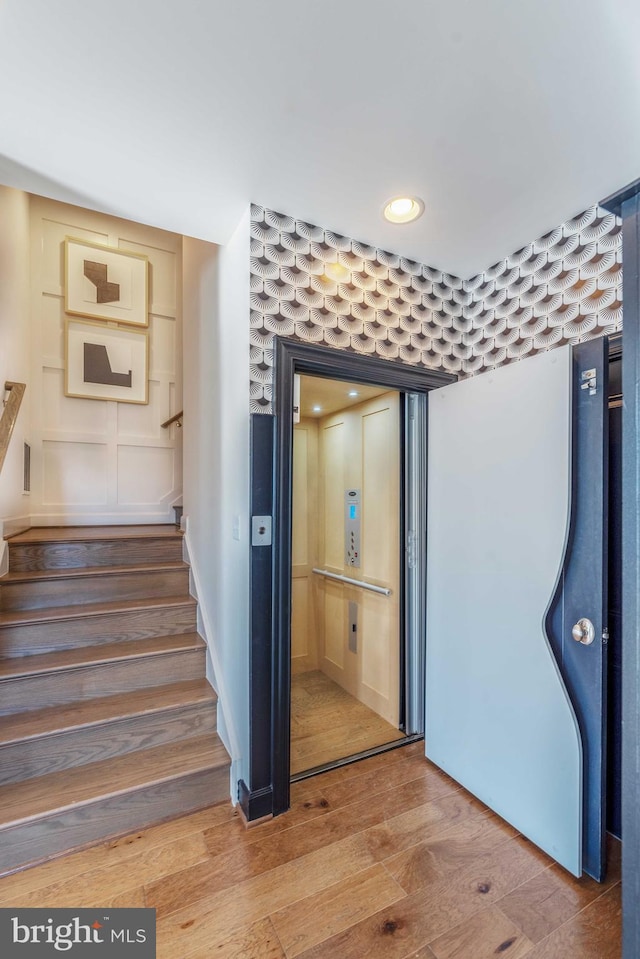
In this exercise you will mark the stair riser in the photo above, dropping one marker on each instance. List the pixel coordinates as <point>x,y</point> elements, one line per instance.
<point>88,682</point>
<point>105,819</point>
<point>33,556</point>
<point>93,589</point>
<point>49,754</point>
<point>161,758</point>
<point>36,638</point>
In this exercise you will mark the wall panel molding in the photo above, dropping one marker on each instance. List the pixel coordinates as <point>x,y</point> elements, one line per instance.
<point>137,473</point>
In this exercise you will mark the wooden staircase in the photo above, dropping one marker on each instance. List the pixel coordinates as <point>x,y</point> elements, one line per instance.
<point>107,723</point>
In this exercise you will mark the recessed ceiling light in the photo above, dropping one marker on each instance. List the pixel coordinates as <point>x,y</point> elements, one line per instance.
<point>403,209</point>
<point>317,409</point>
<point>353,393</point>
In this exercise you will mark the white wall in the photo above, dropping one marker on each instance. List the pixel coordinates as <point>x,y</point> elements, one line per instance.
<point>216,460</point>
<point>95,461</point>
<point>14,349</point>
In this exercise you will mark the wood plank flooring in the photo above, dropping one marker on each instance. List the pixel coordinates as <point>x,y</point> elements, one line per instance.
<point>52,534</point>
<point>383,858</point>
<point>329,724</point>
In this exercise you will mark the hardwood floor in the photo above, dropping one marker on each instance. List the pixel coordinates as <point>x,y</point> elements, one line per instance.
<point>51,534</point>
<point>328,724</point>
<point>383,858</point>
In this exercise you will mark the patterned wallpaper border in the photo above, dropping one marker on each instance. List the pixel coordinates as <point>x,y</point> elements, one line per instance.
<point>317,286</point>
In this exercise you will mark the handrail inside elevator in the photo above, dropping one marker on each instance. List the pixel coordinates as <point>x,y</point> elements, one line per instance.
<point>353,582</point>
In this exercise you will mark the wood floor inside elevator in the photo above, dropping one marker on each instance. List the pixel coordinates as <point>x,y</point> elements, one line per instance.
<point>328,724</point>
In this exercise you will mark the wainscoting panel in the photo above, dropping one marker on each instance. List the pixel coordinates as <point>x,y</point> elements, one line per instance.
<point>156,465</point>
<point>74,472</point>
<point>96,461</point>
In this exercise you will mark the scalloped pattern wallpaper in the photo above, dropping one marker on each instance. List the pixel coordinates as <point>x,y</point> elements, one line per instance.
<point>319,287</point>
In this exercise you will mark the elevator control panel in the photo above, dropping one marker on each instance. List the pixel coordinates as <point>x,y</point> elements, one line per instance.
<point>352,527</point>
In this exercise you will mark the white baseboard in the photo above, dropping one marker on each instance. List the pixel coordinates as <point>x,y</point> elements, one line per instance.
<point>9,527</point>
<point>14,524</point>
<point>215,673</point>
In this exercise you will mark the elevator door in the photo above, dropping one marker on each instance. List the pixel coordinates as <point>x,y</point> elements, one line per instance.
<point>514,711</point>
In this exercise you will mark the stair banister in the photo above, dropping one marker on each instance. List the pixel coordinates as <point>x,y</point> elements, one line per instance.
<point>9,415</point>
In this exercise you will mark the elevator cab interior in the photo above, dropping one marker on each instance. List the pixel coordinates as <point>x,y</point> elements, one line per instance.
<point>347,667</point>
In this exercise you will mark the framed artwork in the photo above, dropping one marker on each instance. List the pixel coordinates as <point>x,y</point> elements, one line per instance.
<point>105,283</point>
<point>106,363</point>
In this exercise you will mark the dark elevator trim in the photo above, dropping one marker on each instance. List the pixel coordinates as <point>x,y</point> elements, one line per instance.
<point>582,586</point>
<point>626,203</point>
<point>256,800</point>
<point>270,712</point>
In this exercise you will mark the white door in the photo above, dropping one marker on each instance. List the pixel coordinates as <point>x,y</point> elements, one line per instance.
<point>498,715</point>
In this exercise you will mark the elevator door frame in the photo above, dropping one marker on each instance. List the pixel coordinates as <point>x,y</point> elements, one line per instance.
<point>292,357</point>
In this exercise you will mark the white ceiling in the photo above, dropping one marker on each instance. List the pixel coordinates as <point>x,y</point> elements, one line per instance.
<point>505,116</point>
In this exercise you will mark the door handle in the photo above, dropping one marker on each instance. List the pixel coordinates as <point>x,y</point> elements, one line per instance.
<point>584,632</point>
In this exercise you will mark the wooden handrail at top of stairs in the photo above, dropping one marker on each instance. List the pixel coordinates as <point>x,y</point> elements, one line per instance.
<point>176,418</point>
<point>9,415</point>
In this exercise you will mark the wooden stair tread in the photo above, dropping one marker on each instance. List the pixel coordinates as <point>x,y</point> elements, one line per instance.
<point>95,712</point>
<point>69,789</point>
<point>82,656</point>
<point>86,572</point>
<point>80,611</point>
<point>109,722</point>
<point>80,534</point>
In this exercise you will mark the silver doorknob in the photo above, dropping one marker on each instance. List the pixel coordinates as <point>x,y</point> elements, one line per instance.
<point>584,632</point>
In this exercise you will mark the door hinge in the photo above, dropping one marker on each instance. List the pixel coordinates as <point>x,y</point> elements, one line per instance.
<point>605,635</point>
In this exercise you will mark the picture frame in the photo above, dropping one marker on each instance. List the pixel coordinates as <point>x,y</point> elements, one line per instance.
<point>106,283</point>
<point>106,362</point>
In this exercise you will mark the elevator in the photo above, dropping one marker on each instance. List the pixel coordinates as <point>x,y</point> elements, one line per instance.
<point>347,651</point>
<point>516,512</point>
